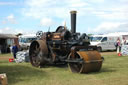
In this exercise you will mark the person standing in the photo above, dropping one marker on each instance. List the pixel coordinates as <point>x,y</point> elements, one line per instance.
<point>118,45</point>
<point>14,50</point>
<point>123,41</point>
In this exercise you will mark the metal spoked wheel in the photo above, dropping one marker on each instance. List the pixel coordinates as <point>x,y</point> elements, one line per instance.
<point>36,53</point>
<point>75,67</point>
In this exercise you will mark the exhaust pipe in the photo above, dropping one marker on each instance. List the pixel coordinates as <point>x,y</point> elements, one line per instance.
<point>73,21</point>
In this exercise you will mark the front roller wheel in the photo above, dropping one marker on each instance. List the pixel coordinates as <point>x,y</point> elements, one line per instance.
<point>92,62</point>
<point>37,53</point>
<point>75,67</point>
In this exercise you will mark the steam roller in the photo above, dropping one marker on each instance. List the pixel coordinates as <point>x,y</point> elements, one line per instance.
<point>64,46</point>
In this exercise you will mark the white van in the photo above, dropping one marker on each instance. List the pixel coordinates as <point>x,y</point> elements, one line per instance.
<point>25,40</point>
<point>107,41</point>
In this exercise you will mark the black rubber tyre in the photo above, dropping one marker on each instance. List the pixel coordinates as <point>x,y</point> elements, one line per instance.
<point>99,49</point>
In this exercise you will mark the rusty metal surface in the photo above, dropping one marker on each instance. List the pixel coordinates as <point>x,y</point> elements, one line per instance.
<point>37,52</point>
<point>89,55</point>
<point>93,62</point>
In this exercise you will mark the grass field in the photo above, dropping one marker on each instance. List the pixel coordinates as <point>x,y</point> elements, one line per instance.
<point>114,72</point>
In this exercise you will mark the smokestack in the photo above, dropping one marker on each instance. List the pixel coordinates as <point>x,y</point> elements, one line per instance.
<point>73,21</point>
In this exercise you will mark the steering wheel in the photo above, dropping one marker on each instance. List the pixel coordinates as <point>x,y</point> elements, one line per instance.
<point>39,34</point>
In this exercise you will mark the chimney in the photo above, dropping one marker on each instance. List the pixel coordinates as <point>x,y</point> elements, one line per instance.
<point>73,21</point>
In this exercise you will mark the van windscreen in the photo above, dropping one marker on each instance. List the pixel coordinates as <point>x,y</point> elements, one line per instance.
<point>26,40</point>
<point>96,39</point>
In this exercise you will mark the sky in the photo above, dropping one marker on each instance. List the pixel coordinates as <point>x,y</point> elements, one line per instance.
<point>93,16</point>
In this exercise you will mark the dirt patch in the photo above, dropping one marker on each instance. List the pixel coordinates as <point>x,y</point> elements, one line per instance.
<point>5,58</point>
<point>108,53</point>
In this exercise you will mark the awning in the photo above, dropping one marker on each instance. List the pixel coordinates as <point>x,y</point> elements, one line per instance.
<point>5,36</point>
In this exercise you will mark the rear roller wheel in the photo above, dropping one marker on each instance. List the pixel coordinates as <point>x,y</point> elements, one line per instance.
<point>37,52</point>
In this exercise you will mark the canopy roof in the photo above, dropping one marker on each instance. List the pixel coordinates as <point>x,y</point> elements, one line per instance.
<point>8,36</point>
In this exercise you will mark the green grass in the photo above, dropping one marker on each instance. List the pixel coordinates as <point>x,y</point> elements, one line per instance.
<point>6,55</point>
<point>114,72</point>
